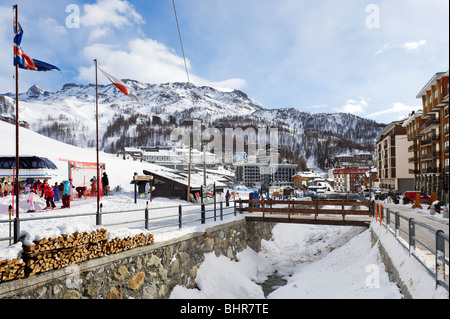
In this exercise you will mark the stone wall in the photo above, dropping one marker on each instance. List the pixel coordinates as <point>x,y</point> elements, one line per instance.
<point>145,272</point>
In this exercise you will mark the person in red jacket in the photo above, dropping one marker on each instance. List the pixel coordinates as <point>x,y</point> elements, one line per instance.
<point>48,192</point>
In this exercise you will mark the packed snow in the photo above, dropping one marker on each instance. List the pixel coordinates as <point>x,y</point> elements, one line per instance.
<point>316,261</point>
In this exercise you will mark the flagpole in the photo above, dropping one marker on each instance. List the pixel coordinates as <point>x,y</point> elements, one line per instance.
<point>16,183</point>
<point>96,140</point>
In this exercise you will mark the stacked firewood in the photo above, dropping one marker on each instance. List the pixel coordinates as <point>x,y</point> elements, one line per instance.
<point>117,245</point>
<point>54,253</point>
<point>11,269</point>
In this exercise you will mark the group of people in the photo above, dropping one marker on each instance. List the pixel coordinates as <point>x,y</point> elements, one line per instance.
<point>6,188</point>
<point>35,189</point>
<point>50,193</point>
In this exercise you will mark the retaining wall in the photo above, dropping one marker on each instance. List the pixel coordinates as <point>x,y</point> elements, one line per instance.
<point>390,268</point>
<point>145,272</point>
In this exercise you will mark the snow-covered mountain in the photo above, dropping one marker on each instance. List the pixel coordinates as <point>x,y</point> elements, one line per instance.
<point>68,115</point>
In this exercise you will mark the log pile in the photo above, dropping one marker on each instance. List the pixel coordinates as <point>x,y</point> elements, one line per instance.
<point>54,253</point>
<point>11,269</point>
<point>117,245</point>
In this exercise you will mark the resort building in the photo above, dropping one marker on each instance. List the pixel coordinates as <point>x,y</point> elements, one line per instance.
<point>428,130</point>
<point>394,170</point>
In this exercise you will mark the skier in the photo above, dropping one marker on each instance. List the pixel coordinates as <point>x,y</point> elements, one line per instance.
<point>66,195</point>
<point>105,183</point>
<point>48,192</point>
<point>56,191</point>
<point>31,200</point>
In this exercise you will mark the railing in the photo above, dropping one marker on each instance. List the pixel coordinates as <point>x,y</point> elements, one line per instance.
<point>315,210</point>
<point>177,216</point>
<point>428,170</point>
<point>412,238</point>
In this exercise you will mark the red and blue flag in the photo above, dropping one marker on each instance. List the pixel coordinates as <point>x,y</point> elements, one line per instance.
<point>23,60</point>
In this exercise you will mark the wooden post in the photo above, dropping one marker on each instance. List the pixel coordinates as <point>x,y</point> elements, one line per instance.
<point>315,210</point>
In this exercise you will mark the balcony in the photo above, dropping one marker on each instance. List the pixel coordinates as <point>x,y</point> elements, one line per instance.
<point>413,147</point>
<point>425,142</point>
<point>431,139</point>
<point>414,159</point>
<point>414,171</point>
<point>429,170</point>
<point>431,122</point>
<point>431,155</point>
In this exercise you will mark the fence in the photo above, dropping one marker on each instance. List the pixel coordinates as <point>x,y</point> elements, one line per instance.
<point>419,233</point>
<point>173,216</point>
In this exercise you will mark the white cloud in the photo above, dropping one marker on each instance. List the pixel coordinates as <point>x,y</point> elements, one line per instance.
<point>146,60</point>
<point>107,14</point>
<point>408,46</point>
<point>354,107</point>
<point>397,107</point>
<point>411,46</point>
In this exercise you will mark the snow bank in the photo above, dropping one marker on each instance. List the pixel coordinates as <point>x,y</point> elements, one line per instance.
<point>344,271</point>
<point>10,252</point>
<point>220,277</point>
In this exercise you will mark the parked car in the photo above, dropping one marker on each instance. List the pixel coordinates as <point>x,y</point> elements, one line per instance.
<point>411,195</point>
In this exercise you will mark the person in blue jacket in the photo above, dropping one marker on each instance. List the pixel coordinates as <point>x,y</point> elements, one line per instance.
<point>56,191</point>
<point>66,194</point>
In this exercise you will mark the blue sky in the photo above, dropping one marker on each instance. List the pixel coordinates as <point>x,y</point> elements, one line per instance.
<point>369,58</point>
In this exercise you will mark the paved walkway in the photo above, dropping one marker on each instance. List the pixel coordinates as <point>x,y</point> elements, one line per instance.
<point>423,235</point>
<point>421,215</point>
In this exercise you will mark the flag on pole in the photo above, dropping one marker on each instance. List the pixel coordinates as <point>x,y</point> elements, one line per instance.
<point>125,89</point>
<point>23,60</point>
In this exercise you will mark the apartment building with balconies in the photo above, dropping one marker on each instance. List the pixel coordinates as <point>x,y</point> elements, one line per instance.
<point>428,130</point>
<point>394,170</point>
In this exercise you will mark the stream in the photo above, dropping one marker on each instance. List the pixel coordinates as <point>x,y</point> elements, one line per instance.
<point>272,283</point>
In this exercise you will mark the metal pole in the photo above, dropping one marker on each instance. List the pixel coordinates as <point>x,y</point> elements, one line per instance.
<point>96,139</point>
<point>412,236</point>
<point>135,187</point>
<point>440,257</point>
<point>146,216</point>
<point>189,173</point>
<point>202,205</point>
<point>215,202</point>
<point>10,232</point>
<point>16,183</point>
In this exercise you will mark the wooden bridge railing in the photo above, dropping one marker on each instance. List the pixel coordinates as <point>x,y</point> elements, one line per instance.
<point>307,208</point>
